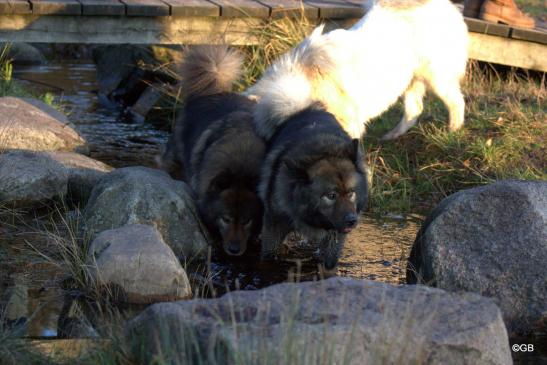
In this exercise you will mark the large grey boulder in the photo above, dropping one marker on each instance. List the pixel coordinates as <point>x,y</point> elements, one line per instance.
<point>140,195</point>
<point>334,321</point>
<point>83,173</point>
<point>116,64</point>
<point>33,125</point>
<point>28,178</point>
<point>24,54</point>
<point>490,240</point>
<point>138,265</point>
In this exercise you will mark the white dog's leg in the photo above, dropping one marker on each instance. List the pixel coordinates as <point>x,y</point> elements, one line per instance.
<point>449,92</point>
<point>413,100</point>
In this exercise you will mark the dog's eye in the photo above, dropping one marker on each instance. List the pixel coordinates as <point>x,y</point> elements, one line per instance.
<point>351,195</point>
<point>224,219</point>
<point>247,223</point>
<point>330,197</point>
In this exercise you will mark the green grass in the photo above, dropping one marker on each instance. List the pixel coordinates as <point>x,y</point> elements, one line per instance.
<point>7,86</point>
<point>10,87</point>
<point>503,138</point>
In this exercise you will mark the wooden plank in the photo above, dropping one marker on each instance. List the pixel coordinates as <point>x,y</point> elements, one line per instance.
<point>480,26</point>
<point>336,9</point>
<point>132,30</point>
<point>290,8</point>
<point>475,25</point>
<point>193,8</point>
<point>57,7</point>
<point>242,9</point>
<point>531,35</point>
<point>359,3</point>
<point>102,7</point>
<point>14,7</point>
<point>146,8</point>
<point>507,51</point>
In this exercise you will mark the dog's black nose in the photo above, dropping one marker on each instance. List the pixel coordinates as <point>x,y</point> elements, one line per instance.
<point>350,220</point>
<point>330,263</point>
<point>233,248</point>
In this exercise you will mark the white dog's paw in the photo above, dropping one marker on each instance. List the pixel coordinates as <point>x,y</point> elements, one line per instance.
<point>392,134</point>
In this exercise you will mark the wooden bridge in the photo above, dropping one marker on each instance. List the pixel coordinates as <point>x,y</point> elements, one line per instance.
<point>233,21</point>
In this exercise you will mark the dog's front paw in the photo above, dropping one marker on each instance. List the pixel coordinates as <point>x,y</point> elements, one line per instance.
<point>391,135</point>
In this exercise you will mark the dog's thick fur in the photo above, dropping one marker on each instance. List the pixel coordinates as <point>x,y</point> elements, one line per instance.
<point>313,182</point>
<point>398,48</point>
<point>215,149</point>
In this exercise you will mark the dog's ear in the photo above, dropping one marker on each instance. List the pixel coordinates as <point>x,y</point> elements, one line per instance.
<point>221,182</point>
<point>354,150</point>
<point>357,155</point>
<point>296,170</point>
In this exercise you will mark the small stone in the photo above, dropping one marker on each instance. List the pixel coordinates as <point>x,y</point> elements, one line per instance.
<point>138,265</point>
<point>16,309</point>
<point>24,54</point>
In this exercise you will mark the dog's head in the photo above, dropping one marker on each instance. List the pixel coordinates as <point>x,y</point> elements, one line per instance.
<point>233,211</point>
<point>330,192</point>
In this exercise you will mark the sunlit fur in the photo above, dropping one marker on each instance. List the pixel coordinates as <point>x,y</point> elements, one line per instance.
<point>399,48</point>
<point>215,148</point>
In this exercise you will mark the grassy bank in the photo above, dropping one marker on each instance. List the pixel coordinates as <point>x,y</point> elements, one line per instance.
<point>504,137</point>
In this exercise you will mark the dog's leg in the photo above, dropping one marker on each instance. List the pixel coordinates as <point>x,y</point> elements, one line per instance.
<point>332,245</point>
<point>413,100</point>
<point>449,92</point>
<point>274,231</point>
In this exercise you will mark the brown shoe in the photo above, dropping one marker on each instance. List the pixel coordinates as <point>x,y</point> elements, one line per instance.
<point>506,12</point>
<point>472,8</point>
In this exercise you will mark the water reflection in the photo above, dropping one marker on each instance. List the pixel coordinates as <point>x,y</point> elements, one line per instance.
<point>112,139</point>
<point>377,249</point>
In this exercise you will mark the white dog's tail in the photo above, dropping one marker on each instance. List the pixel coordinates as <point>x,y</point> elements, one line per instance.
<point>286,88</point>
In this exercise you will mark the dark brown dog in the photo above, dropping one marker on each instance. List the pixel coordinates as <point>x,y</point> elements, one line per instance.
<point>215,149</point>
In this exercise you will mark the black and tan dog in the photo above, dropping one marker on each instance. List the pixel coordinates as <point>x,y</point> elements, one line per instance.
<point>313,182</point>
<point>215,149</point>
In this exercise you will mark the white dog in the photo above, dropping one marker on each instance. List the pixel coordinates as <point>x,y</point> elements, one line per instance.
<point>400,47</point>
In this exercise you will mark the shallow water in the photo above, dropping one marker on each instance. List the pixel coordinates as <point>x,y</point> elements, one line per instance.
<point>112,138</point>
<point>376,249</point>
